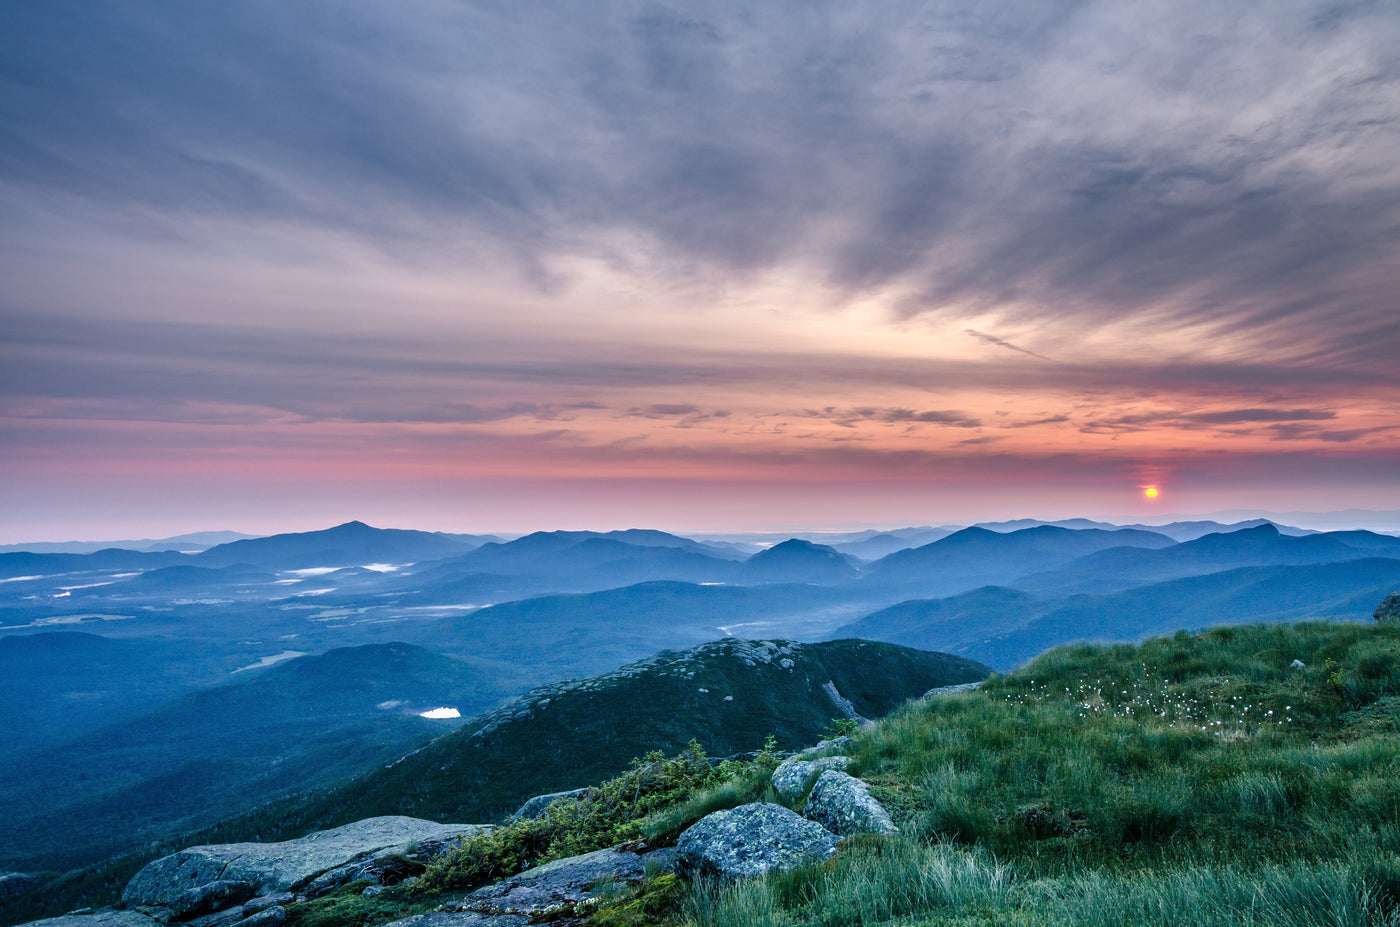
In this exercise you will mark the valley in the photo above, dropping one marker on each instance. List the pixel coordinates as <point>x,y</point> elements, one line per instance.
<point>265,687</point>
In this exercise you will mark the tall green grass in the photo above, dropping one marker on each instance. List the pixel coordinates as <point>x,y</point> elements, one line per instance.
<point>1196,779</point>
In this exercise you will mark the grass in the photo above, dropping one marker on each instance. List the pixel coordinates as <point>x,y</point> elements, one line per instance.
<point>1192,780</point>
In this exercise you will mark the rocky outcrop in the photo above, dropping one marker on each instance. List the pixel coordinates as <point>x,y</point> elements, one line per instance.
<point>96,919</point>
<point>218,895</point>
<point>562,884</point>
<point>749,841</point>
<point>794,775</point>
<point>16,883</point>
<point>843,805</point>
<point>373,848</point>
<point>538,806</point>
<point>952,690</point>
<point>1389,609</point>
<point>563,889</point>
<point>462,919</point>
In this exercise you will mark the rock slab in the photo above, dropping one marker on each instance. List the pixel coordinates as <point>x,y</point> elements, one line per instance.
<point>212,896</point>
<point>562,885</point>
<point>292,864</point>
<point>843,805</point>
<point>791,778</point>
<point>97,919</point>
<point>749,841</point>
<point>1389,609</point>
<point>462,919</point>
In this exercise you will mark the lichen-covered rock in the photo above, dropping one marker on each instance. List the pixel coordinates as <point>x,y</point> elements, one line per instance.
<point>97,919</point>
<point>562,886</point>
<point>538,806</point>
<point>1389,609</point>
<point>262,902</point>
<point>462,919</point>
<point>790,780</point>
<point>292,864</point>
<point>749,841</point>
<point>952,690</point>
<point>267,917</point>
<point>843,805</point>
<point>211,896</point>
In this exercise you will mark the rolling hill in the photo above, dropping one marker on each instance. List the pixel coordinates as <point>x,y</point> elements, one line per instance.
<point>303,723</point>
<point>728,695</point>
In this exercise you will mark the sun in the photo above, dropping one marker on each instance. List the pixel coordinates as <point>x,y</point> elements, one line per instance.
<point>1150,492</point>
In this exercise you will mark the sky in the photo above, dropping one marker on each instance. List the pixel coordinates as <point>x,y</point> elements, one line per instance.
<point>477,266</point>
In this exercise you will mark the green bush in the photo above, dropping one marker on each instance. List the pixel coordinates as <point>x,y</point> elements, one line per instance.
<point>604,816</point>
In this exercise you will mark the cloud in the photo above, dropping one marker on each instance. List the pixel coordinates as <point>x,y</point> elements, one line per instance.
<point>1055,164</point>
<point>1001,343</point>
<point>1238,416</point>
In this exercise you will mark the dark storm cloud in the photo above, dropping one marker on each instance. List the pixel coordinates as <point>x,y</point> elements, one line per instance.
<point>1058,163</point>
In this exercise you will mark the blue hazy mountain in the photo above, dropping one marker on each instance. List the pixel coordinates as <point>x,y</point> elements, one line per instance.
<point>301,724</point>
<point>352,543</point>
<point>799,561</point>
<point>56,683</point>
<point>583,633</point>
<point>25,563</point>
<point>976,557</point>
<point>196,541</point>
<point>1005,627</point>
<point>1121,568</point>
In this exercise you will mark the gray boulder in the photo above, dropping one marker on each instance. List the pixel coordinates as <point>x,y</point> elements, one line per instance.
<point>749,841</point>
<point>1389,609</point>
<point>791,779</point>
<point>293,864</point>
<point>538,806</point>
<point>97,919</point>
<point>843,805</point>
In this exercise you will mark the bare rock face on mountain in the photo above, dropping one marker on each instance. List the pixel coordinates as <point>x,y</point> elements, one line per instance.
<point>843,805</point>
<point>196,878</point>
<point>749,841</point>
<point>1389,609</point>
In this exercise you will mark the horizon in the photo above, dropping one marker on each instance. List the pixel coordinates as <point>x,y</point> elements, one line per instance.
<point>717,268</point>
<point>1381,522</point>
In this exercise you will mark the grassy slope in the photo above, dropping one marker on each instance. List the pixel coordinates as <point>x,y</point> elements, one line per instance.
<point>1192,780</point>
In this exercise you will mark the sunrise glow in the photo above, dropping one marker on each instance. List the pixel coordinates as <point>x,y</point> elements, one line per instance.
<point>492,292</point>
